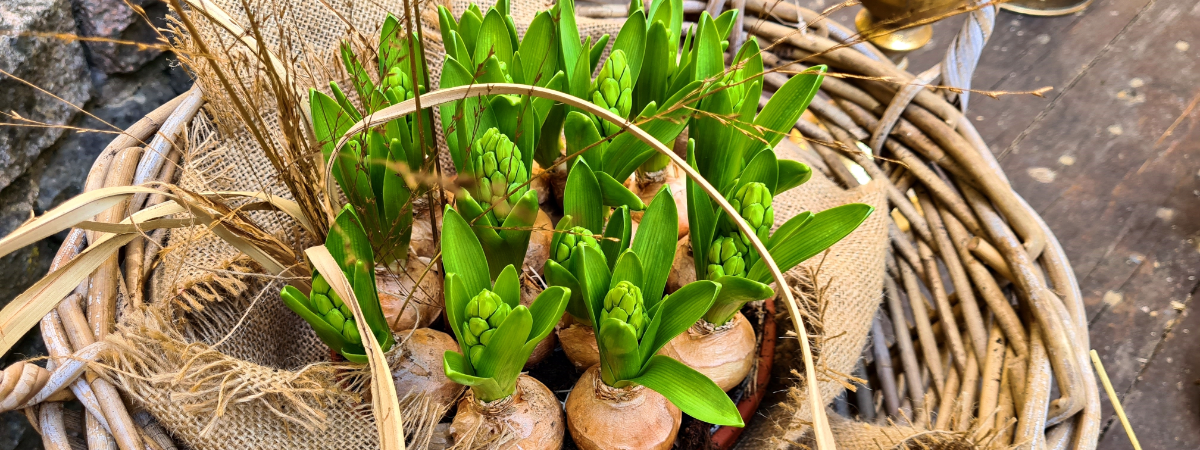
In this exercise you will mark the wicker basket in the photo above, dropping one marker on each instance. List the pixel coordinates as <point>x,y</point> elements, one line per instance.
<point>983,303</point>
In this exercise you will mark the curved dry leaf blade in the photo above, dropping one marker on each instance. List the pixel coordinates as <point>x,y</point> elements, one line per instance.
<point>384,403</point>
<point>28,308</point>
<point>75,210</point>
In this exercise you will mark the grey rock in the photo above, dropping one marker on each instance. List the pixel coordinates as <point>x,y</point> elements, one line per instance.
<point>18,270</point>
<point>122,100</point>
<point>115,19</point>
<point>16,434</point>
<point>54,65</point>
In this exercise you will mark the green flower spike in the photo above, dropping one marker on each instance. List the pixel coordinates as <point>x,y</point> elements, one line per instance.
<point>753,203</point>
<point>499,172</point>
<point>325,311</point>
<point>624,303</point>
<point>495,331</point>
<point>613,90</point>
<point>335,312</point>
<point>570,243</point>
<point>485,313</point>
<point>397,86</point>
<point>725,258</point>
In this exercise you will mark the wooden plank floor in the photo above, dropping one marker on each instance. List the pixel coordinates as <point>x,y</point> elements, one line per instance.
<point>1111,159</point>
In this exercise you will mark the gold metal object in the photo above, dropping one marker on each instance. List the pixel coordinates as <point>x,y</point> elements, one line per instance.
<point>901,26</point>
<point>1046,7</point>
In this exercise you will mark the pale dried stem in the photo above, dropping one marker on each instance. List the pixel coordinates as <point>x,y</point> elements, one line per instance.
<point>929,345</point>
<point>958,276</point>
<point>908,356</point>
<point>945,311</point>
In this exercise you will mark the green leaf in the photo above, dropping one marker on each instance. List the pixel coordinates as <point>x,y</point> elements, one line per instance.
<point>540,49</point>
<point>616,235</point>
<point>548,147</point>
<point>714,155</point>
<point>735,292</point>
<point>594,280</point>
<point>377,156</point>
<point>651,84</point>
<point>568,35</point>
<point>702,218</point>
<point>347,242</point>
<point>397,214</point>
<point>789,102</point>
<point>626,152</point>
<point>690,391</point>
<point>788,229</point>
<point>632,40</point>
<point>517,228</point>
<point>628,268</point>
<point>791,174</point>
<point>583,137</point>
<point>762,169</point>
<point>469,27</point>
<point>547,309</point>
<point>457,369</point>
<point>330,122</point>
<point>391,45</point>
<point>582,198</point>
<point>368,302</point>
<point>462,254</point>
<point>458,118</point>
<point>580,77</point>
<point>619,358</point>
<point>725,23</point>
<point>710,61</point>
<point>827,228</point>
<point>557,275</point>
<point>371,98</point>
<point>492,73</point>
<point>597,50</point>
<point>447,23</point>
<point>456,297</point>
<point>614,193</point>
<point>493,39</point>
<point>676,314</point>
<point>508,286</point>
<point>354,355</point>
<point>343,101</point>
<point>502,356</point>
<point>655,244</point>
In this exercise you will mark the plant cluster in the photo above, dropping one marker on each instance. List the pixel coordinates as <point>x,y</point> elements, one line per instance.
<point>324,309</point>
<point>600,274</point>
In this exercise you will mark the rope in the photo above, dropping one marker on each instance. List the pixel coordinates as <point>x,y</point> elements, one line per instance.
<point>963,55</point>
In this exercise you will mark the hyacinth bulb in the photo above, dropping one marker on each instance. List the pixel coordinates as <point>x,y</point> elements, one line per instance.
<point>500,172</point>
<point>485,313</point>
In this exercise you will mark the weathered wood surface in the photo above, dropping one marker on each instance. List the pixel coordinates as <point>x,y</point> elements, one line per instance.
<point>1111,159</point>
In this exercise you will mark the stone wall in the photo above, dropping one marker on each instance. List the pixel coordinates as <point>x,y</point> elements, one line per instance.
<point>115,85</point>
